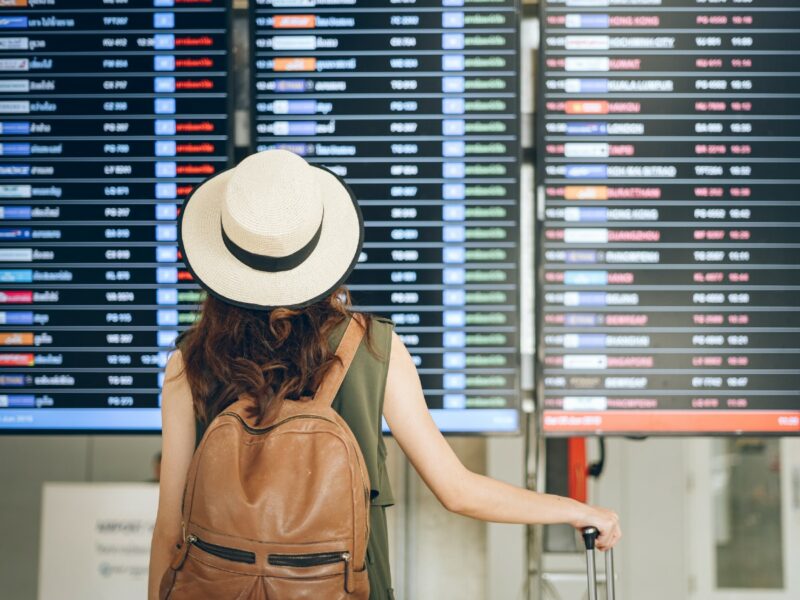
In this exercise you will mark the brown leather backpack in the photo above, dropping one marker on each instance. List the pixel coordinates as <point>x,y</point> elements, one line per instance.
<point>279,511</point>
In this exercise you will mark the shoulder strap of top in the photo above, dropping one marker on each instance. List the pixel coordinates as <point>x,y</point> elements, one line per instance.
<point>348,345</point>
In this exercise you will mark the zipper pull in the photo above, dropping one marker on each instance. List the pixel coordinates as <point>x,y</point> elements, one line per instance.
<point>347,568</point>
<point>180,557</point>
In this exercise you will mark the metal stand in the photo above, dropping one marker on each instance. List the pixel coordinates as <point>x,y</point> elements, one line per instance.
<point>535,473</point>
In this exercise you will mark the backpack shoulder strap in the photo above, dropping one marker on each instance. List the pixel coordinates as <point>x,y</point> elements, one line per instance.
<point>348,346</point>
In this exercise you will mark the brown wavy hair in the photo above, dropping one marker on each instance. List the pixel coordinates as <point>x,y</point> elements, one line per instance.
<point>269,356</point>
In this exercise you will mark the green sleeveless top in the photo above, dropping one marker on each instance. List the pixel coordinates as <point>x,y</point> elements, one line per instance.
<point>359,401</point>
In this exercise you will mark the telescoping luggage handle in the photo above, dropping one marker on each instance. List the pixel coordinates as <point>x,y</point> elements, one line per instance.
<point>589,536</point>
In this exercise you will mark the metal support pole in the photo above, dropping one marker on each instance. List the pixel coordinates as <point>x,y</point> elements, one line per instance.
<point>535,467</point>
<point>610,583</point>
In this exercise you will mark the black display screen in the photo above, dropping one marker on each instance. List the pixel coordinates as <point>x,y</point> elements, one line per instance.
<point>669,179</point>
<point>415,105</point>
<point>110,113</point>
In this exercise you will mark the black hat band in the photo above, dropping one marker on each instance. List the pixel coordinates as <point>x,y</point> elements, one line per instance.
<point>272,264</point>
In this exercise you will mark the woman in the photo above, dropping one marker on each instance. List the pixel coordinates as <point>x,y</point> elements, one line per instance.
<point>271,241</point>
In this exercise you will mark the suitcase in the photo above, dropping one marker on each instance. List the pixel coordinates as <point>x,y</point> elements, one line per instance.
<point>589,536</point>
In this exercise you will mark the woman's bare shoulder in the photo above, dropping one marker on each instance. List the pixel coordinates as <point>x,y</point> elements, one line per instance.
<point>174,368</point>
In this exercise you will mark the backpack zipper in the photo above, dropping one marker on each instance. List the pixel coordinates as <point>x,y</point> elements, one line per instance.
<point>313,560</point>
<point>307,560</point>
<point>225,552</point>
<point>263,430</point>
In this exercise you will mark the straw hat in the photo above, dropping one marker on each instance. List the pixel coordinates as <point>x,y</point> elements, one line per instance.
<point>272,231</point>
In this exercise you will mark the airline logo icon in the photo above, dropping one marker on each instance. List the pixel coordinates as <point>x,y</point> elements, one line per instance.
<point>586,63</point>
<point>14,43</point>
<point>586,107</point>
<point>295,64</point>
<point>8,233</point>
<point>586,192</point>
<point>294,42</point>
<point>16,339</point>
<point>17,401</point>
<point>294,22</point>
<point>13,22</point>
<point>15,128</point>
<point>15,85</point>
<point>15,149</point>
<point>15,212</point>
<point>17,317</point>
<point>586,42</point>
<point>16,360</point>
<point>16,297</point>
<point>15,107</point>
<point>16,254</point>
<point>14,64</point>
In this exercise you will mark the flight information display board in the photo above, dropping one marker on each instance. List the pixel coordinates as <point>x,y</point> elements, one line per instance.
<point>669,168</point>
<point>414,103</point>
<point>110,112</point>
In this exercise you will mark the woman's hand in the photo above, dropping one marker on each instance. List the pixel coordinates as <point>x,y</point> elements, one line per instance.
<point>605,521</point>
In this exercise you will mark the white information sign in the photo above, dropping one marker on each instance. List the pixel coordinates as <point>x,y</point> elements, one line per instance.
<point>95,540</point>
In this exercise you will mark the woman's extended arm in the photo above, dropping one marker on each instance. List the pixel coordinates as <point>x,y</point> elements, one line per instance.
<point>177,447</point>
<point>460,490</point>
